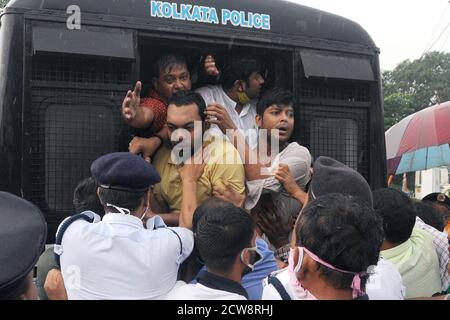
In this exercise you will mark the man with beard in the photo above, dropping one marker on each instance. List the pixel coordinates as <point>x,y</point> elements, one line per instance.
<point>234,100</point>
<point>222,164</point>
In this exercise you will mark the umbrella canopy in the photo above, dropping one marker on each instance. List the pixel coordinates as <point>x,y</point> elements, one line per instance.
<point>420,141</point>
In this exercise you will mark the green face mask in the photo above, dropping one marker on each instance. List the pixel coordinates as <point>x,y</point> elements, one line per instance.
<point>243,98</point>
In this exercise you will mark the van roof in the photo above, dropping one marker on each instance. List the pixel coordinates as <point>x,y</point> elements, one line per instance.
<point>287,19</point>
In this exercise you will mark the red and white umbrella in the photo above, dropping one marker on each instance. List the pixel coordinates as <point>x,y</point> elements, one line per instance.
<point>419,141</point>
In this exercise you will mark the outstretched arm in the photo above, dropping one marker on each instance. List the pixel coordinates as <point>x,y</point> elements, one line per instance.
<point>133,114</point>
<point>218,115</point>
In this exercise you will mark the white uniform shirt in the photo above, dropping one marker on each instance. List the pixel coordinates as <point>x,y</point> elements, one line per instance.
<point>183,291</point>
<point>244,121</point>
<point>118,258</point>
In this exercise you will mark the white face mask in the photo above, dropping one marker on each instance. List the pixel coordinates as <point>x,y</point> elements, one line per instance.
<point>255,258</point>
<point>121,210</point>
<point>145,212</point>
<point>300,292</point>
<point>126,211</point>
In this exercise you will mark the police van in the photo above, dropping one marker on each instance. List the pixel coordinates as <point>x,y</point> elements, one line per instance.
<point>65,66</point>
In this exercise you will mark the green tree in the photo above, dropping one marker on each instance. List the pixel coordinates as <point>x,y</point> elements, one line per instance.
<point>414,85</point>
<point>3,3</point>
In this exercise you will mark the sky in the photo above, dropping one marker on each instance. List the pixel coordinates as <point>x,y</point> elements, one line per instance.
<point>402,29</point>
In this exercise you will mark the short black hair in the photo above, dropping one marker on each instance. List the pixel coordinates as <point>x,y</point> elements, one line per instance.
<point>426,211</point>
<point>343,231</point>
<point>184,98</point>
<point>85,197</point>
<point>274,96</point>
<point>207,206</point>
<point>130,200</point>
<point>221,233</point>
<point>398,214</point>
<point>240,68</point>
<point>167,61</point>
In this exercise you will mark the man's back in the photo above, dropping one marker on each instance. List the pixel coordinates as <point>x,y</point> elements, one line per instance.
<point>118,258</point>
<point>417,263</point>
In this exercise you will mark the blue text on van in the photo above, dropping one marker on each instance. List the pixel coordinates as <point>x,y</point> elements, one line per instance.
<point>195,13</point>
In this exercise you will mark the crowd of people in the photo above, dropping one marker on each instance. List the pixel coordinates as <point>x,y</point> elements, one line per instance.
<point>214,200</point>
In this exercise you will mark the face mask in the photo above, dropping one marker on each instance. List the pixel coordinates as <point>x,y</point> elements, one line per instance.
<point>126,211</point>
<point>121,210</point>
<point>356,284</point>
<point>145,212</point>
<point>255,258</point>
<point>243,98</point>
<point>299,292</point>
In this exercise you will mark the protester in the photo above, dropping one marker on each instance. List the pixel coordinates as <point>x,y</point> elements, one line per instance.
<point>331,176</point>
<point>170,75</point>
<point>233,102</point>
<point>410,249</point>
<point>429,214</point>
<point>23,232</point>
<point>442,204</point>
<point>225,238</point>
<point>138,262</point>
<point>338,238</point>
<point>252,281</point>
<point>186,128</point>
<point>440,242</point>
<point>273,185</point>
<point>85,197</point>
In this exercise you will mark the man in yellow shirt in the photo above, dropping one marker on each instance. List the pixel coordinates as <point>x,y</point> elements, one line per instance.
<point>222,163</point>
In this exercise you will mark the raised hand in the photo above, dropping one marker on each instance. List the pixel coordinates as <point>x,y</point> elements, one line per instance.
<point>130,104</point>
<point>217,114</point>
<point>210,66</point>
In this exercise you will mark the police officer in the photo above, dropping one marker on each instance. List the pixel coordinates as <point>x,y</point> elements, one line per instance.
<point>121,257</point>
<point>23,232</point>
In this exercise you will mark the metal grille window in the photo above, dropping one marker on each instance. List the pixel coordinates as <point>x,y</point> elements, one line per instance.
<point>327,133</point>
<point>335,90</point>
<point>72,119</point>
<point>74,134</point>
<point>337,132</point>
<point>75,69</point>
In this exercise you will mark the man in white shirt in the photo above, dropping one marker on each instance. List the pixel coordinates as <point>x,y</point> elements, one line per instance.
<point>226,241</point>
<point>241,82</point>
<point>337,239</point>
<point>121,257</point>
